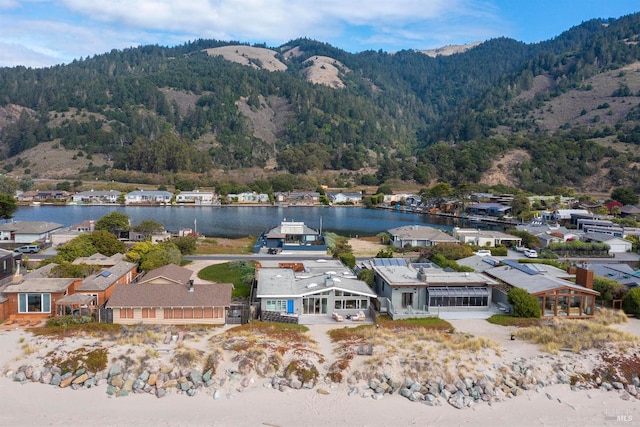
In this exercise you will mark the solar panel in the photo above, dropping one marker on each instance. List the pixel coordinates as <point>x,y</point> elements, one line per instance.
<point>388,262</point>
<point>520,267</point>
<point>491,261</point>
<point>105,273</point>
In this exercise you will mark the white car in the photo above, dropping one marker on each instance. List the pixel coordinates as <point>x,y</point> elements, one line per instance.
<point>483,252</point>
<point>530,253</point>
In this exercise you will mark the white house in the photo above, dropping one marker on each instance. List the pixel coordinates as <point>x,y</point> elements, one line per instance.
<point>248,197</point>
<point>91,196</point>
<point>195,197</point>
<point>338,198</point>
<point>148,196</point>
<point>28,231</point>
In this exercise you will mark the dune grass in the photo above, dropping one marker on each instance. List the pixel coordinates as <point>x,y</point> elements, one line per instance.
<point>574,334</point>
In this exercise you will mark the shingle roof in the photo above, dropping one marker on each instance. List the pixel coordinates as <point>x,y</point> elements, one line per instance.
<point>30,227</point>
<point>104,279</point>
<point>40,285</point>
<point>171,295</point>
<point>171,272</point>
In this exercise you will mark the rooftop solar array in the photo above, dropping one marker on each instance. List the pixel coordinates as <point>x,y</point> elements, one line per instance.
<point>518,266</point>
<point>389,262</point>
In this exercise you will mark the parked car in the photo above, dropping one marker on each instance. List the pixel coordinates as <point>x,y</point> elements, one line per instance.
<point>28,249</point>
<point>483,252</point>
<point>530,253</point>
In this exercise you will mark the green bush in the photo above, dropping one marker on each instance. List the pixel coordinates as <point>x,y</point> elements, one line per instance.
<point>68,320</point>
<point>631,302</point>
<point>499,251</point>
<point>347,259</point>
<point>524,304</point>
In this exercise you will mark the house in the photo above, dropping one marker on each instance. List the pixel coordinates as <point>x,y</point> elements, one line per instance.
<point>309,289</point>
<point>171,303</point>
<point>345,198</point>
<point>616,244</point>
<point>168,274</point>
<point>102,284</point>
<point>92,196</point>
<point>423,290</point>
<point>55,195</point>
<point>248,197</point>
<point>198,198</point>
<point>297,197</point>
<point>489,209</point>
<point>548,233</point>
<point>62,236</point>
<point>557,297</point>
<point>38,298</point>
<point>419,236</point>
<point>597,225</point>
<point>629,211</point>
<point>396,198</point>
<point>621,273</point>
<point>100,260</point>
<point>148,197</point>
<point>488,238</point>
<point>291,236</point>
<point>28,231</point>
<point>565,215</point>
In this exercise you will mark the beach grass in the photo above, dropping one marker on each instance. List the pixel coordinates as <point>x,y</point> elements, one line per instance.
<point>574,335</point>
<point>225,246</point>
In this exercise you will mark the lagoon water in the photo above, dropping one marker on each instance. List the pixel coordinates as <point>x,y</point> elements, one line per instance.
<point>240,221</point>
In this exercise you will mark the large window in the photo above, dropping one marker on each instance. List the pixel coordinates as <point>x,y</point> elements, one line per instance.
<point>277,305</point>
<point>34,303</point>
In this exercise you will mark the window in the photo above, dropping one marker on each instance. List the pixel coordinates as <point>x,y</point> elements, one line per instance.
<point>276,305</point>
<point>34,303</point>
<point>126,313</point>
<point>148,313</point>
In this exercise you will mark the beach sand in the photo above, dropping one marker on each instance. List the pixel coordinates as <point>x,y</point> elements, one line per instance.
<point>31,404</point>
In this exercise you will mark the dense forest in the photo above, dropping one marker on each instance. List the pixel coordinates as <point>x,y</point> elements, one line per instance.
<point>400,116</point>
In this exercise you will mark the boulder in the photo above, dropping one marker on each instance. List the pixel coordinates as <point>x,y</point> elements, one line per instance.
<point>416,396</point>
<point>206,377</point>
<point>111,390</point>
<point>195,377</point>
<point>191,392</point>
<point>66,382</point>
<point>122,393</point>
<point>115,370</point>
<point>81,379</point>
<point>633,391</point>
<point>160,392</point>
<point>152,379</point>
<point>117,381</point>
<point>46,377</point>
<point>617,385</point>
<point>144,376</point>
<point>217,394</point>
<point>377,396</point>
<point>56,379</point>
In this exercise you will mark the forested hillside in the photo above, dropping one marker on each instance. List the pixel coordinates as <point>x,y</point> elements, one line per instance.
<point>561,113</point>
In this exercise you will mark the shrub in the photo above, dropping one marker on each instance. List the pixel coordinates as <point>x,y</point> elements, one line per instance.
<point>524,304</point>
<point>631,302</point>
<point>347,259</point>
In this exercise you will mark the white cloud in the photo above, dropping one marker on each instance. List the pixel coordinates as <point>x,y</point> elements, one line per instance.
<point>69,29</point>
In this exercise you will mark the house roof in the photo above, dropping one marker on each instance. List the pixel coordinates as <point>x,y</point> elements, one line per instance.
<point>171,295</point>
<point>30,227</point>
<point>170,272</point>
<point>285,283</point>
<point>492,234</point>
<point>100,259</point>
<point>76,299</point>
<point>630,210</point>
<point>429,275</point>
<point>104,279</point>
<point>292,228</point>
<point>40,285</point>
<point>40,273</point>
<point>532,281</point>
<point>421,232</point>
<point>606,238</point>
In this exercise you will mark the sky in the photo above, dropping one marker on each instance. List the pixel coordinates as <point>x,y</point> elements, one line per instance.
<point>42,33</point>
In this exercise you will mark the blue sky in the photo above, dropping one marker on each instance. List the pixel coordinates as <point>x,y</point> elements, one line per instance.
<point>39,33</point>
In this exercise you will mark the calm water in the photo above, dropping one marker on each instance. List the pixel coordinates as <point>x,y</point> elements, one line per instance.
<point>236,222</point>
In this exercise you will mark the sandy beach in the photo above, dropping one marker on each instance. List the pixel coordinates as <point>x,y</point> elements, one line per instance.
<point>32,403</point>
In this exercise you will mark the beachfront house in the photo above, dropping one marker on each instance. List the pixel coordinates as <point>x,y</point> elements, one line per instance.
<point>148,197</point>
<point>171,303</point>
<point>488,238</point>
<point>248,197</point>
<point>307,290</point>
<point>36,299</point>
<point>102,284</point>
<point>166,275</point>
<point>408,290</point>
<point>297,197</point>
<point>419,236</point>
<point>20,232</point>
<point>557,296</point>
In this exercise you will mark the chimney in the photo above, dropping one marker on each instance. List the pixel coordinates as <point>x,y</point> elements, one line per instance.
<point>584,277</point>
<point>190,282</point>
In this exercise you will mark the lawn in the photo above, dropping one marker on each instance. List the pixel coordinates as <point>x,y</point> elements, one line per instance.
<point>509,320</point>
<point>239,273</point>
